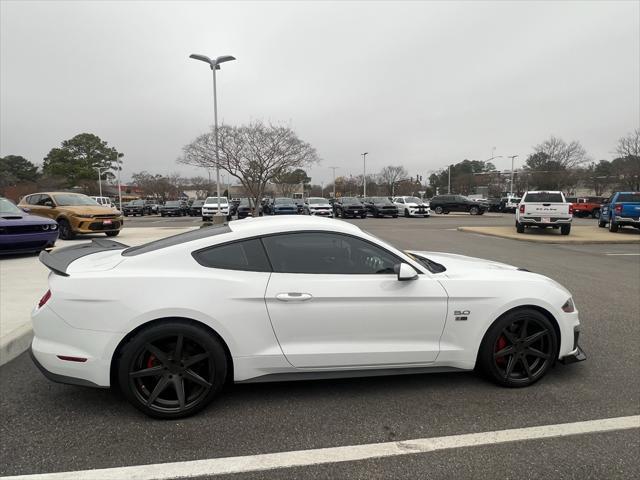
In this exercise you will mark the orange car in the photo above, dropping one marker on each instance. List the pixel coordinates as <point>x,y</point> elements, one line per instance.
<point>75,213</point>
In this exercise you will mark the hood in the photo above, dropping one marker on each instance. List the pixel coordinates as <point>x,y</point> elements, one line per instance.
<point>457,264</point>
<point>24,219</point>
<point>87,210</point>
<point>320,205</point>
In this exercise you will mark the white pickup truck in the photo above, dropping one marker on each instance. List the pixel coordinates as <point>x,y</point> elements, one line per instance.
<point>544,209</point>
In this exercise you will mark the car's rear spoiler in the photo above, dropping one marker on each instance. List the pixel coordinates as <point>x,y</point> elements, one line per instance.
<point>59,259</point>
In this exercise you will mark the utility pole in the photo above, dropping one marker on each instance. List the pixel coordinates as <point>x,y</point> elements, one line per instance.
<point>449,184</point>
<point>334,180</point>
<point>119,183</point>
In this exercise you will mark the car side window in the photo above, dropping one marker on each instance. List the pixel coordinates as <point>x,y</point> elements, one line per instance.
<point>327,253</point>
<point>45,200</point>
<point>247,255</point>
<point>33,199</point>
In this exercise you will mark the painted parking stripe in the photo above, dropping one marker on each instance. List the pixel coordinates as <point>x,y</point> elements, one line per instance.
<point>301,458</point>
<point>623,254</point>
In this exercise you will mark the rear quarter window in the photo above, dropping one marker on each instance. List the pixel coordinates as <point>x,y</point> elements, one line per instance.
<point>247,255</point>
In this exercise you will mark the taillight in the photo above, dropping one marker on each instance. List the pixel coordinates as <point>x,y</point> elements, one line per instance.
<point>618,208</point>
<point>571,209</point>
<point>522,208</point>
<point>45,298</point>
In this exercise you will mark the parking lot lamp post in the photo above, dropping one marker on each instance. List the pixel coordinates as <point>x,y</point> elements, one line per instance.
<point>449,183</point>
<point>100,169</point>
<point>364,173</point>
<point>512,157</point>
<point>119,182</point>
<point>334,180</point>
<point>215,65</point>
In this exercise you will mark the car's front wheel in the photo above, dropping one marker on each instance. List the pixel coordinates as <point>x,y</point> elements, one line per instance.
<point>519,348</point>
<point>172,370</point>
<point>65,230</point>
<point>474,210</point>
<point>114,233</point>
<point>439,210</point>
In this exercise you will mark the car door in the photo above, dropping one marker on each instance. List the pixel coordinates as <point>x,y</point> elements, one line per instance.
<point>45,207</point>
<point>335,301</point>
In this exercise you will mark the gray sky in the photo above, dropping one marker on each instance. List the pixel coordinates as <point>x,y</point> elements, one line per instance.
<point>421,84</point>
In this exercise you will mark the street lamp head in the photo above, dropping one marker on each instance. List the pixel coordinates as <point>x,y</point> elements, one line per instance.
<point>213,63</point>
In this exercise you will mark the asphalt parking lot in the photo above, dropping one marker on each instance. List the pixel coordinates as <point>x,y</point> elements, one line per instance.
<point>47,427</point>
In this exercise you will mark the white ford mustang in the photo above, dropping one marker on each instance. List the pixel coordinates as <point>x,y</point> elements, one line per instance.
<point>287,298</point>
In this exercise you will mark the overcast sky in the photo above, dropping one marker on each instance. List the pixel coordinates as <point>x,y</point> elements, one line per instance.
<point>421,84</point>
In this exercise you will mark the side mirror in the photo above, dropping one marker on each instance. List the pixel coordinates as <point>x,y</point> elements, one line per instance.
<point>25,209</point>
<point>405,272</point>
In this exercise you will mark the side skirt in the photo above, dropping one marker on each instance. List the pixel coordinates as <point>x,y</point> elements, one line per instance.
<point>327,375</point>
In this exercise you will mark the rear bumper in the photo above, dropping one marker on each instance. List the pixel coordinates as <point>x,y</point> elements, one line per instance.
<point>538,221</point>
<point>627,220</point>
<point>55,377</point>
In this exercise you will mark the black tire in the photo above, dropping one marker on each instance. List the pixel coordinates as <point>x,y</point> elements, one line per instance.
<point>126,214</point>
<point>147,367</point>
<point>602,224</point>
<point>439,210</point>
<point>406,213</point>
<point>519,348</point>
<point>474,211</point>
<point>595,213</point>
<point>65,230</point>
<point>565,229</point>
<point>394,216</point>
<point>613,226</point>
<point>112,234</point>
<point>519,227</point>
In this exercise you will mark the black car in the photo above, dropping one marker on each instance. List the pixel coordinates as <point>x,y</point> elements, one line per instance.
<point>174,208</point>
<point>195,210</point>
<point>349,207</point>
<point>280,206</point>
<point>495,204</point>
<point>380,207</point>
<point>134,207</point>
<point>246,207</point>
<point>456,203</point>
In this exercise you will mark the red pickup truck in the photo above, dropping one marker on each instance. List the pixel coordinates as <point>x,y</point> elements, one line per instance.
<point>587,206</point>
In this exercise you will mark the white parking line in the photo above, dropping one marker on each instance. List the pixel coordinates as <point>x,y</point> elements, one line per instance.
<point>623,254</point>
<point>270,461</point>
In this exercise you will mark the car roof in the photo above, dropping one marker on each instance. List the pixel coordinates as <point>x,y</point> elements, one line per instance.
<point>275,224</point>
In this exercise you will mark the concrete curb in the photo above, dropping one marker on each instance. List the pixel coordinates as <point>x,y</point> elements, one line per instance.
<point>15,343</point>
<point>548,240</point>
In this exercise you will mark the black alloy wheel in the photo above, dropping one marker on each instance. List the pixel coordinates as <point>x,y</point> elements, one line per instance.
<point>439,209</point>
<point>595,213</point>
<point>474,210</point>
<point>172,370</point>
<point>519,348</point>
<point>65,230</point>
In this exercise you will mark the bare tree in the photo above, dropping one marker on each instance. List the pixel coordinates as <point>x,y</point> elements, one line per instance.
<point>629,145</point>
<point>255,154</point>
<point>567,155</point>
<point>391,175</point>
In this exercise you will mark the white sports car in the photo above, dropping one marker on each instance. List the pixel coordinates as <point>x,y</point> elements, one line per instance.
<point>412,206</point>
<point>277,298</point>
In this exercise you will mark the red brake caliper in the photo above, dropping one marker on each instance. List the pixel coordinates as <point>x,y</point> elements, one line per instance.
<point>151,361</point>
<point>500,344</point>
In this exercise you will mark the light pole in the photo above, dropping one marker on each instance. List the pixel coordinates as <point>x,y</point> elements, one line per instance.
<point>364,173</point>
<point>449,183</point>
<point>119,183</point>
<point>334,180</point>
<point>215,65</point>
<point>100,169</point>
<point>512,157</point>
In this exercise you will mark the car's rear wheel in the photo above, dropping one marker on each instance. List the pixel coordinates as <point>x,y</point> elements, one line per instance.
<point>602,223</point>
<point>595,213</point>
<point>65,230</point>
<point>172,370</point>
<point>565,229</point>
<point>519,227</point>
<point>519,348</point>
<point>613,226</point>
<point>113,234</point>
<point>474,210</point>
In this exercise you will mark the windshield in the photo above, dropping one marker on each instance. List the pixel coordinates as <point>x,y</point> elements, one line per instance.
<point>350,200</point>
<point>8,208</point>
<point>215,200</point>
<point>172,203</point>
<point>197,203</point>
<point>317,201</point>
<point>544,197</point>
<point>283,201</point>
<point>73,199</point>
<point>246,202</point>
<point>380,200</point>
<point>137,202</point>
<point>629,197</point>
<point>413,200</point>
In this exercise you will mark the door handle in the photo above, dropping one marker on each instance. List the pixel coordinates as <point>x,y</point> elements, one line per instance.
<point>293,297</point>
